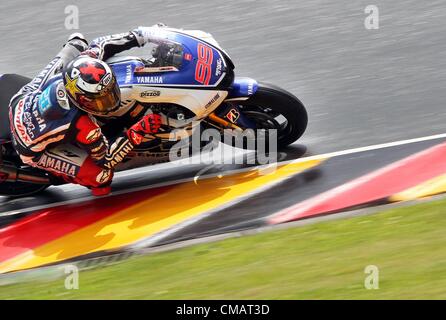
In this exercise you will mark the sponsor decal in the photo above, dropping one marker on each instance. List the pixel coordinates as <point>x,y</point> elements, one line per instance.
<point>212,101</point>
<point>93,135</point>
<point>62,96</point>
<point>107,79</point>
<point>104,82</point>
<point>40,121</point>
<point>104,176</point>
<point>150,93</point>
<point>203,69</point>
<point>32,117</point>
<point>60,93</point>
<point>57,165</point>
<point>28,124</point>
<point>233,115</point>
<point>128,74</point>
<point>219,67</point>
<point>71,85</point>
<point>44,100</point>
<point>124,149</point>
<point>188,56</point>
<point>149,79</point>
<point>18,124</point>
<point>250,88</point>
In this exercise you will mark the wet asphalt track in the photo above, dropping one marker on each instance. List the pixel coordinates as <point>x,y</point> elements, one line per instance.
<point>360,86</point>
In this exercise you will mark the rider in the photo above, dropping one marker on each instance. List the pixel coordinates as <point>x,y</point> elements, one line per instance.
<point>104,47</point>
<point>52,121</point>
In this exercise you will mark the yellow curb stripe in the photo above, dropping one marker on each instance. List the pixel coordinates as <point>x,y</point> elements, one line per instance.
<point>151,216</point>
<point>431,187</point>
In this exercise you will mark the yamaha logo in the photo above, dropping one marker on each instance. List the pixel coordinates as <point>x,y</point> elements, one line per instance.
<point>150,93</point>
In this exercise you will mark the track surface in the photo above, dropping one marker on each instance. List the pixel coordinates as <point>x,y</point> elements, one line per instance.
<point>361,86</point>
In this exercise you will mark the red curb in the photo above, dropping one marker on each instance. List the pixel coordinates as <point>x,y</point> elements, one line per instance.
<point>50,224</point>
<point>377,185</point>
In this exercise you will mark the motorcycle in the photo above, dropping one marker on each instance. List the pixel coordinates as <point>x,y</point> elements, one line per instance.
<point>188,79</point>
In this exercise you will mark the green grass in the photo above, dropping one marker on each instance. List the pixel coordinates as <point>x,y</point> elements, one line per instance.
<point>320,261</point>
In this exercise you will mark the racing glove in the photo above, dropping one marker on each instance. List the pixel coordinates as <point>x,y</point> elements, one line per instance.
<point>147,125</point>
<point>154,34</point>
<point>77,36</point>
<point>78,41</point>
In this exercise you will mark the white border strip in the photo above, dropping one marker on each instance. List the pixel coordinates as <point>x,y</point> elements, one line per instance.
<point>368,148</point>
<point>213,175</point>
<point>166,233</point>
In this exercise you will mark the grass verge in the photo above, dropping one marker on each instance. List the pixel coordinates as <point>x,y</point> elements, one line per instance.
<point>320,261</point>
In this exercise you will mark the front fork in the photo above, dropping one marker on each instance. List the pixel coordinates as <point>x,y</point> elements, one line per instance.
<point>222,123</point>
<point>228,115</point>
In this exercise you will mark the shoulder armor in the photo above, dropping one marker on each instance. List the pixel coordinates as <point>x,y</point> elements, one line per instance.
<point>53,102</point>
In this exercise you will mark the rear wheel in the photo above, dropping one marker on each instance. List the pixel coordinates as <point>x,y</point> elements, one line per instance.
<point>16,189</point>
<point>20,189</point>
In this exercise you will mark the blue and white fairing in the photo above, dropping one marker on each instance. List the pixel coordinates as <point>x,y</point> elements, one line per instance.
<point>201,65</point>
<point>242,89</point>
<point>199,76</point>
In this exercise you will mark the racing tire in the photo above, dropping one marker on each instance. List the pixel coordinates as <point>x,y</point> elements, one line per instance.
<point>20,189</point>
<point>270,103</point>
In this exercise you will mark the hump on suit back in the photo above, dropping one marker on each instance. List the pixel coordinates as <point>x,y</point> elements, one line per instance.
<point>10,84</point>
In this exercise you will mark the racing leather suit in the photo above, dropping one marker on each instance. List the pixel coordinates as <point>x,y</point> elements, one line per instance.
<point>50,134</point>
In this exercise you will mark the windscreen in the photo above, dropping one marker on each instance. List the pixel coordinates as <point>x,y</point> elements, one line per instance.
<point>163,54</point>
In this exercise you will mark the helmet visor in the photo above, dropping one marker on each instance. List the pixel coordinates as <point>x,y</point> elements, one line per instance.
<point>103,104</point>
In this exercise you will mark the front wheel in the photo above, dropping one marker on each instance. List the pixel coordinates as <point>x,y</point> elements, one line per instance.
<point>272,107</point>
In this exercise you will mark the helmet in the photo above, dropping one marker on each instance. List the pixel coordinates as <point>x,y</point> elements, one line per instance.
<point>91,86</point>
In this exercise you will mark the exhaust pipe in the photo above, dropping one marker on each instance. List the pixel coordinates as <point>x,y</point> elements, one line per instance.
<point>12,174</point>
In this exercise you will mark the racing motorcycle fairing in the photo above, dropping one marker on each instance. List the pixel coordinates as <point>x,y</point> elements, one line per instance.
<point>180,69</point>
<point>178,60</point>
<point>242,88</point>
<point>186,77</point>
<point>185,68</point>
